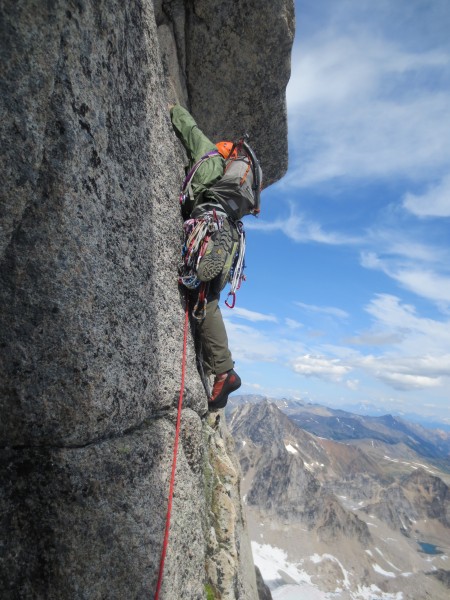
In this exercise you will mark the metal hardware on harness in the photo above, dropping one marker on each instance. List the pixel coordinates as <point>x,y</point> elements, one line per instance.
<point>199,310</point>
<point>197,235</point>
<point>233,300</point>
<point>237,271</point>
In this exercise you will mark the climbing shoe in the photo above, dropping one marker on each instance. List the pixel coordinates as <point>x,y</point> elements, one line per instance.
<point>224,384</point>
<point>219,246</point>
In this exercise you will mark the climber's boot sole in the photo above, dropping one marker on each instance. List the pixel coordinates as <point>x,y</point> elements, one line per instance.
<point>216,253</point>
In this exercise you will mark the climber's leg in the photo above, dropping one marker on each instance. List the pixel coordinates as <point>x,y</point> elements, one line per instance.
<point>216,354</point>
<point>213,336</point>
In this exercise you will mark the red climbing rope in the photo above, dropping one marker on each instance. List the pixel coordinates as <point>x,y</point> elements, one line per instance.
<point>174,460</point>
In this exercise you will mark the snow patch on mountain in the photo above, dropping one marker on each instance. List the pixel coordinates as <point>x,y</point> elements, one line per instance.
<point>288,581</point>
<point>274,566</point>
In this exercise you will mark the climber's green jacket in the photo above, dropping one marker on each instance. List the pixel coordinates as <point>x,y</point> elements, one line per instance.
<point>197,145</point>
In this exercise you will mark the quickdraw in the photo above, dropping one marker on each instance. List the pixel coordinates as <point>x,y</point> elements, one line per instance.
<point>197,235</point>
<point>237,270</point>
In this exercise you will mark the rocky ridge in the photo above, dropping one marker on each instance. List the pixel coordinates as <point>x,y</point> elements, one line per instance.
<point>418,496</point>
<point>91,316</point>
<point>286,467</point>
<point>348,523</point>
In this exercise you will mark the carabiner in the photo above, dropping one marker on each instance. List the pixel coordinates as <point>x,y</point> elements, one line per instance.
<point>233,301</point>
<point>199,311</point>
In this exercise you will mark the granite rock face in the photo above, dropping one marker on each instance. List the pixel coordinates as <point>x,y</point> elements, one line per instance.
<point>227,540</point>
<point>90,258</point>
<point>91,317</point>
<point>86,521</point>
<point>236,65</point>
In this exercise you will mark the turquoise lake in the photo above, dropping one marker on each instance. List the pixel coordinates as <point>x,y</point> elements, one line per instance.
<point>429,548</point>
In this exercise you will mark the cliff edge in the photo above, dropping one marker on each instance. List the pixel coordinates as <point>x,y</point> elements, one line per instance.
<point>91,320</point>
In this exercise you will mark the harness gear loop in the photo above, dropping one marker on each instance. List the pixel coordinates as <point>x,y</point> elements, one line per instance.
<point>175,450</point>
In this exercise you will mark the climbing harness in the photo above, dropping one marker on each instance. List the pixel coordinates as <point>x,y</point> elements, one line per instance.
<point>197,235</point>
<point>238,194</point>
<point>175,451</point>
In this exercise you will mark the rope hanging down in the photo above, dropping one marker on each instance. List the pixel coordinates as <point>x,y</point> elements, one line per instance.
<point>174,459</point>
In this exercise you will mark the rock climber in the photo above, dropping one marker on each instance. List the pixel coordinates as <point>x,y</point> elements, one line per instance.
<point>209,198</point>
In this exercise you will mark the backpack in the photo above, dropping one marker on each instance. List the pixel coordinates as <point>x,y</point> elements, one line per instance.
<point>239,188</point>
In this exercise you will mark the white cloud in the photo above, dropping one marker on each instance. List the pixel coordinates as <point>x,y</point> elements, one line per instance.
<point>421,280</point>
<point>414,372</point>
<point>376,338</point>
<point>435,202</point>
<point>333,69</point>
<point>406,245</point>
<point>298,228</point>
<point>293,324</point>
<point>328,310</point>
<point>414,352</point>
<point>357,109</point>
<point>415,356</point>
<point>427,284</point>
<point>418,335</point>
<point>331,369</point>
<point>418,356</point>
<point>352,384</point>
<point>249,344</point>
<point>255,386</point>
<point>252,316</point>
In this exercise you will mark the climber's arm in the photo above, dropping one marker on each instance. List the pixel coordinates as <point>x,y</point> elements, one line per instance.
<point>193,139</point>
<point>197,145</point>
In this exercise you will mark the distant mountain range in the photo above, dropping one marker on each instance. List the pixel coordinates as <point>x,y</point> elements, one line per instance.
<point>340,425</point>
<point>352,501</point>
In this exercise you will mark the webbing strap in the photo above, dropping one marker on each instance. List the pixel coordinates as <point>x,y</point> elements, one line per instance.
<point>192,172</point>
<point>175,450</point>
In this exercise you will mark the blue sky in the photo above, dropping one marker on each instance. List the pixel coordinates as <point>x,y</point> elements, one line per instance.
<point>347,298</point>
